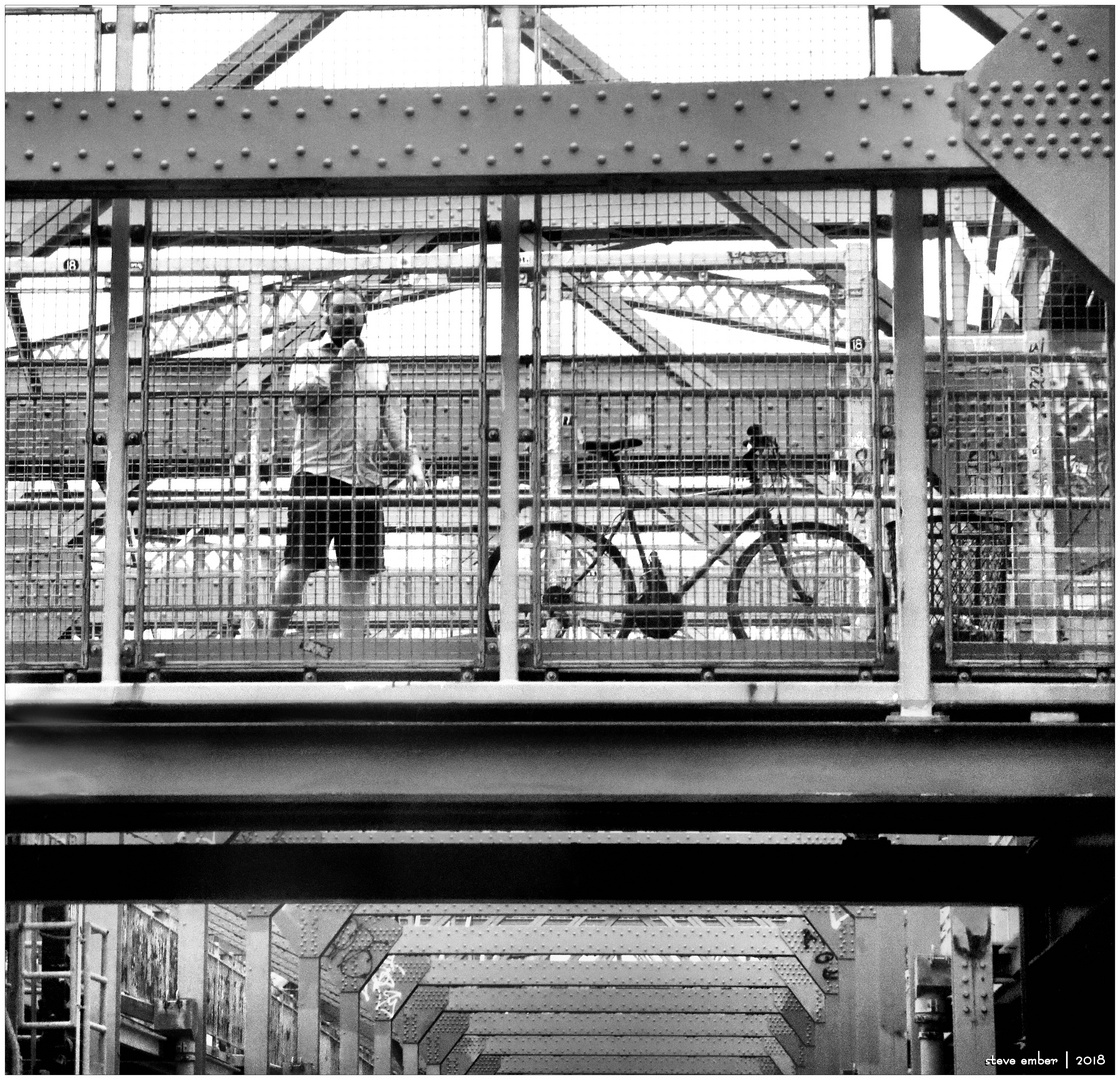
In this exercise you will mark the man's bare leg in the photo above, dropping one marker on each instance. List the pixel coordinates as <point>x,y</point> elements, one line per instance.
<point>287,592</point>
<point>354,595</point>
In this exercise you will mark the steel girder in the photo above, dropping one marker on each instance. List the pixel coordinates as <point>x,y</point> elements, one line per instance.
<point>607,1065</point>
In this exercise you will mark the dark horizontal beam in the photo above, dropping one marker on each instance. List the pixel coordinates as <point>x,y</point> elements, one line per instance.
<point>441,765</point>
<point>901,129</point>
<point>861,872</point>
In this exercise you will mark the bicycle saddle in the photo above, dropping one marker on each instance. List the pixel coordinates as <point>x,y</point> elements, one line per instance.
<point>610,446</point>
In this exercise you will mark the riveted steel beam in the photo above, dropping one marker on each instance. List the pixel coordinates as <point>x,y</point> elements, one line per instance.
<point>515,138</point>
<point>658,1045</point>
<point>992,22</point>
<point>648,1023</point>
<point>643,1065</point>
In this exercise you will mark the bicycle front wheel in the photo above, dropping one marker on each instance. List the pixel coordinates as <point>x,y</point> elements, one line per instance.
<point>586,585</point>
<point>808,581</point>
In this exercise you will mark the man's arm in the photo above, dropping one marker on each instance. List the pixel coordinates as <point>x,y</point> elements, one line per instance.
<point>312,384</point>
<point>396,431</point>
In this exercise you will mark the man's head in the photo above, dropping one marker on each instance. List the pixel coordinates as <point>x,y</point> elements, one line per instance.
<point>344,314</point>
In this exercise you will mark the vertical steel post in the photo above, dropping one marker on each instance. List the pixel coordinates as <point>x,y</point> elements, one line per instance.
<point>107,917</point>
<point>382,1047</point>
<point>258,992</point>
<point>970,954</point>
<point>410,1059</point>
<point>508,499</point>
<point>892,990</point>
<point>349,1016</point>
<point>193,919</point>
<point>867,994</point>
<point>250,555</point>
<point>923,934</point>
<point>307,1020</point>
<point>116,435</point>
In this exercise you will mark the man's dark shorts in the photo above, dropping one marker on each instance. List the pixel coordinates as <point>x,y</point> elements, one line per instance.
<point>352,520</point>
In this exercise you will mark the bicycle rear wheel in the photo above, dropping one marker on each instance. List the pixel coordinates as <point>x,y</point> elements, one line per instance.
<point>825,591</point>
<point>586,585</point>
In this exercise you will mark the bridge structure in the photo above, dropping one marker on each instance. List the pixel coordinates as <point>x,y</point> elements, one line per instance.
<point>737,694</point>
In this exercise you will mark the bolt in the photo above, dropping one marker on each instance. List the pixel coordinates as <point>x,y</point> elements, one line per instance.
<point>110,165</point>
<point>795,104</point>
<point>907,141</point>
<point>1040,45</point>
<point>864,141</point>
<point>683,106</point>
<point>83,114</point>
<point>219,100</point>
<point>628,107</point>
<point>1040,118</point>
<point>1106,84</point>
<point>601,95</point>
<point>863,103</point>
<point>272,163</point>
<point>463,148</point>
<point>829,155</point>
<point>219,164</point>
<point>1074,99</point>
<point>517,109</point>
<point>111,102</point>
<point>766,91</point>
<point>996,153</point>
<point>930,155</point>
<point>829,91</point>
<point>327,163</point>
<point>1024,32</point>
<point>518,147</point>
<point>767,157</point>
<point>1092,54</point>
<point>985,99</point>
<point>974,120</point>
<point>997,119</point>
<point>29,154</point>
<point>886,155</point>
<point>191,151</point>
<point>300,151</point>
<point>1017,85</point>
<point>56,165</point>
<point>739,106</point>
<point>164,164</point>
<point>1095,137</point>
<point>628,145</point>
<point>711,159</point>
<point>951,102</point>
<point>1051,138</point>
<point>1106,118</point>
<point>409,111</point>
<point>601,159</point>
<point>301,113</point>
<point>136,152</point>
<point>1075,136</point>
<point>437,98</point>
<point>906,103</point>
<point>490,159</point>
<point>885,91</point>
<point>795,144</point>
<point>546,159</point>
<point>409,148</point>
<point>1056,57</point>
<point>436,161</point>
<point>1107,151</point>
<point>1028,99</point>
<point>83,152</point>
<point>546,95</point>
<point>684,146</point>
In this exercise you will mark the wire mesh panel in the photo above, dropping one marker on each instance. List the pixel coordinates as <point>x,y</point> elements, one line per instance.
<point>54,498</point>
<point>1022,404</point>
<point>702,457</point>
<point>75,49</point>
<point>312,413</point>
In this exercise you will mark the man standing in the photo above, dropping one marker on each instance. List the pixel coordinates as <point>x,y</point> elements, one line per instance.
<point>343,408</point>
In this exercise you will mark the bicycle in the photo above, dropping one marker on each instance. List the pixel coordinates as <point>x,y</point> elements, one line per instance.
<point>803,580</point>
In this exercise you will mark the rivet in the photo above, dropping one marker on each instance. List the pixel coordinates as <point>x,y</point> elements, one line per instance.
<point>952,140</point>
<point>1040,86</point>
<point>996,152</point>
<point>829,155</point>
<point>906,103</point>
<point>1028,99</point>
<point>83,114</point>
<point>1024,32</point>
<point>656,159</point>
<point>885,91</point>
<point>711,159</point>
<point>436,161</point>
<point>111,102</point>
<point>886,155</point>
<point>437,98</point>
<point>985,99</point>
<point>1040,152</point>
<point>602,159</point>
<point>382,99</point>
<point>1063,153</point>
<point>628,107</point>
<point>997,119</point>
<point>907,141</point>
<point>974,120</point>
<point>463,148</point>
<point>951,102</point>
<point>1056,27</point>
<point>301,113</point>
<point>1086,151</point>
<point>575,108</point>
<point>192,113</point>
<point>1029,138</point>
<point>1085,118</point>
<point>1095,137</point>
<point>864,142</point>
<point>219,164</point>
<point>985,140</point>
<point>1092,54</point>
<point>219,100</point>
<point>57,103</point>
<point>995,87</point>
<point>246,113</point>
<point>191,151</point>
<point>1063,118</point>
<point>1018,119</point>
<point>381,163</point>
<point>56,166</point>
<point>272,162</point>
<point>738,144</point>
<point>355,149</point>
<point>655,94</point>
<point>601,95</point>
<point>1056,57</point>
<point>1041,13</point>
<point>863,103</point>
<point>464,110</point>
<point>1106,118</point>
<point>409,148</point>
<point>711,92</point>
<point>573,148</point>
<point>29,115</point>
<point>829,91</point>
<point>110,165</point>
<point>518,147</point>
<point>138,114</point>
<point>492,97</point>
<point>1006,100</point>
<point>1075,136</point>
<point>628,145</point>
<point>327,163</point>
<point>1017,85</point>
<point>300,151</point>
<point>795,104</point>
<point>1107,151</point>
<point>1019,152</point>
<point>683,145</point>
<point>490,159</point>
<point>273,100</point>
<point>973,87</point>
<point>1007,138</point>
<point>518,110</point>
<point>409,111</point>
<point>766,91</point>
<point>355,113</point>
<point>1073,39</point>
<point>739,106</point>
<point>545,159</point>
<point>1040,44</point>
<point>83,153</point>
<point>29,154</point>
<point>1096,99</point>
<point>928,89</point>
<point>767,157</point>
<point>1061,86</point>
<point>795,144</point>
<point>1106,84</point>
<point>137,152</point>
<point>1040,118</point>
